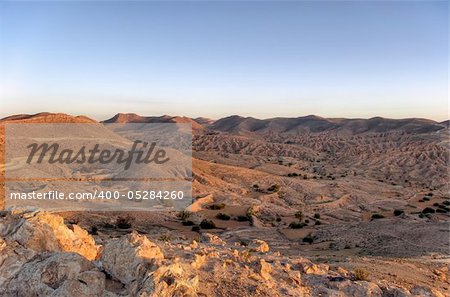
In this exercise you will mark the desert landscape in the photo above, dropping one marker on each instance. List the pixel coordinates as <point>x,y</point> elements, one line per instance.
<point>304,206</point>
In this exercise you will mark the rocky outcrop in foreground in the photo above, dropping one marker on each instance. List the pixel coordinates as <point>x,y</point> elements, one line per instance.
<point>41,256</point>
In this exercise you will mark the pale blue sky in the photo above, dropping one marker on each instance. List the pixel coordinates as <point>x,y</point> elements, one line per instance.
<point>213,59</point>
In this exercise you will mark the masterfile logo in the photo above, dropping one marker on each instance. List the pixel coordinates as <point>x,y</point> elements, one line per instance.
<point>98,166</point>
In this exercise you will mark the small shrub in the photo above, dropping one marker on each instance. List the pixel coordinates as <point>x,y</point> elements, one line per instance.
<point>195,228</point>
<point>108,226</point>
<point>297,225</point>
<point>218,206</point>
<point>377,216</point>
<point>273,188</point>
<point>299,215</point>
<point>93,230</point>
<point>318,223</point>
<point>428,210</point>
<point>165,238</point>
<point>243,242</point>
<point>426,198</point>
<point>317,215</point>
<point>398,212</point>
<point>123,222</point>
<point>361,274</point>
<point>307,221</point>
<point>223,216</point>
<point>242,218</point>
<point>440,210</point>
<point>421,200</point>
<point>436,204</point>
<point>184,215</point>
<point>309,239</point>
<point>188,223</point>
<point>207,224</point>
<point>446,202</point>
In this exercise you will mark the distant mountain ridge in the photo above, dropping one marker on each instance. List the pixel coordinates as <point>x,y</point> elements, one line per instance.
<point>311,123</point>
<point>248,125</point>
<point>135,118</point>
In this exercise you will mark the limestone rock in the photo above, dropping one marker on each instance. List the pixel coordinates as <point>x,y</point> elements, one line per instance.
<point>43,231</point>
<point>211,238</point>
<point>129,257</point>
<point>56,274</point>
<point>257,245</point>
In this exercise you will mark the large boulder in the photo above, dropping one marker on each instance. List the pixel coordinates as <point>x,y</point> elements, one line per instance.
<point>43,231</point>
<point>56,274</point>
<point>129,257</point>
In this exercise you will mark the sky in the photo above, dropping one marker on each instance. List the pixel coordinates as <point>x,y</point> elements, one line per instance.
<point>355,59</point>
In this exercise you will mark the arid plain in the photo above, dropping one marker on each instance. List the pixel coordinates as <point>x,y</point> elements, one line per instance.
<point>305,206</point>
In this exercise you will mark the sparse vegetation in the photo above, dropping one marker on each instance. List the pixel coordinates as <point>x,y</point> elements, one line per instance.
<point>223,216</point>
<point>317,215</point>
<point>242,218</point>
<point>309,238</point>
<point>273,188</point>
<point>299,215</point>
<point>93,230</point>
<point>398,212</point>
<point>361,274</point>
<point>124,222</point>
<point>377,216</point>
<point>188,223</point>
<point>184,215</point>
<point>297,225</point>
<point>318,223</point>
<point>428,210</point>
<point>217,206</point>
<point>207,224</point>
<point>165,238</point>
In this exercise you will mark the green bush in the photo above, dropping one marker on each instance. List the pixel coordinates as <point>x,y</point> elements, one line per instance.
<point>428,210</point>
<point>273,188</point>
<point>297,225</point>
<point>187,223</point>
<point>398,212</point>
<point>223,216</point>
<point>299,215</point>
<point>123,222</point>
<point>309,239</point>
<point>218,206</point>
<point>361,274</point>
<point>377,216</point>
<point>207,224</point>
<point>93,230</point>
<point>242,218</point>
<point>184,215</point>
